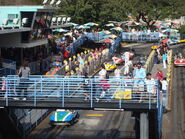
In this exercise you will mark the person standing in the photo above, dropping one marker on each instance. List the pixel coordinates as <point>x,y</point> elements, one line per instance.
<point>117,73</point>
<point>103,72</point>
<point>164,90</point>
<point>164,57</point>
<point>139,76</point>
<point>24,73</point>
<point>127,67</point>
<point>150,86</point>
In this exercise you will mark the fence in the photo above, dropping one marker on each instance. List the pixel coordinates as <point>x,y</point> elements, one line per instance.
<point>91,63</point>
<point>140,37</point>
<point>61,89</point>
<point>150,62</point>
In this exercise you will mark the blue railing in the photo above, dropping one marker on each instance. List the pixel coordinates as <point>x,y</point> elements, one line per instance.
<point>140,37</point>
<point>74,89</point>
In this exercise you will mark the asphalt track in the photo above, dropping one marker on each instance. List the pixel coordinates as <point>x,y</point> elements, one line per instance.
<point>93,124</point>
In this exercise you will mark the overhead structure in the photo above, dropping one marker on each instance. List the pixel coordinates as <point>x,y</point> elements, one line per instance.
<point>45,2</point>
<point>52,2</point>
<point>58,2</point>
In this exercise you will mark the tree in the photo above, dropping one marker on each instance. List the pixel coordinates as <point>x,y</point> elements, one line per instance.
<point>149,11</point>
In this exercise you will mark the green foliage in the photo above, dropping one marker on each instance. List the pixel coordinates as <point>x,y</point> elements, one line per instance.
<point>182,29</point>
<point>101,11</point>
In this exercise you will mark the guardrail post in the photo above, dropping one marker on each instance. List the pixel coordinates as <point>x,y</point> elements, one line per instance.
<point>91,93</point>
<point>35,94</point>
<point>149,100</point>
<point>63,93</point>
<point>41,86</point>
<point>120,103</point>
<point>6,95</point>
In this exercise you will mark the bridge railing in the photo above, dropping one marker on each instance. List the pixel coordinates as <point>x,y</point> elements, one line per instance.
<point>77,89</point>
<point>140,37</point>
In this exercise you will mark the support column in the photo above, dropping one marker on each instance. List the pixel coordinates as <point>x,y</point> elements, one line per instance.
<point>144,126</point>
<point>137,125</point>
<point>22,55</point>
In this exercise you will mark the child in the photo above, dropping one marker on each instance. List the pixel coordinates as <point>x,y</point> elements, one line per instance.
<point>164,86</point>
<point>164,91</point>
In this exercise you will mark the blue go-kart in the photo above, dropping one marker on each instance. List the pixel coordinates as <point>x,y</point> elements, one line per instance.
<point>64,117</point>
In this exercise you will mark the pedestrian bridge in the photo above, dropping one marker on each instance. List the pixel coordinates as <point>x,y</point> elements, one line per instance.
<point>79,93</point>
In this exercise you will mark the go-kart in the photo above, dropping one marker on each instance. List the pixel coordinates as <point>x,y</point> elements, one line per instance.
<point>64,117</point>
<point>180,62</point>
<point>110,66</point>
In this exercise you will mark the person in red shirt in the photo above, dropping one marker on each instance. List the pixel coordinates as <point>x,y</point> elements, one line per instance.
<point>159,75</point>
<point>66,54</point>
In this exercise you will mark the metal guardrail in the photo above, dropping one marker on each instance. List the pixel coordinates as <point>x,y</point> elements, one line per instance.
<point>140,37</point>
<point>170,75</point>
<point>60,89</point>
<point>150,62</point>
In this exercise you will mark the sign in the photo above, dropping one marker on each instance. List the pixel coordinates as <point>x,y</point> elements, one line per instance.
<point>123,94</point>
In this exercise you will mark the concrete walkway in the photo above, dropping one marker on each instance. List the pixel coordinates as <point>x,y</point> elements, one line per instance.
<point>158,66</point>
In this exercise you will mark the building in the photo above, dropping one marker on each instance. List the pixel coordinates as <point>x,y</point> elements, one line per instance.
<point>24,31</point>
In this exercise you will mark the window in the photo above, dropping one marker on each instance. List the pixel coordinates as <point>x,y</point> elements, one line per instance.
<point>12,16</point>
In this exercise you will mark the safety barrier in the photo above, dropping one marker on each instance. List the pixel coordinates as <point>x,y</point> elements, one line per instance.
<point>27,119</point>
<point>63,90</point>
<point>150,62</point>
<point>140,37</point>
<point>91,63</point>
<point>169,74</point>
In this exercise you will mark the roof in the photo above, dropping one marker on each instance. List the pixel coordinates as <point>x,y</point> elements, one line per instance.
<point>26,8</point>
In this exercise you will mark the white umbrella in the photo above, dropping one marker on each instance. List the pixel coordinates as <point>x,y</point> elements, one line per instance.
<point>91,24</point>
<point>110,25</point>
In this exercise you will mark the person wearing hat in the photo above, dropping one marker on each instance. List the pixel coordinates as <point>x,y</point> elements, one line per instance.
<point>139,76</point>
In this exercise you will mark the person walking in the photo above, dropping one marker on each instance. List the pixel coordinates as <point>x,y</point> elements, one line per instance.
<point>23,73</point>
<point>150,86</point>
<point>164,57</point>
<point>127,67</point>
<point>103,72</point>
<point>139,76</point>
<point>164,90</point>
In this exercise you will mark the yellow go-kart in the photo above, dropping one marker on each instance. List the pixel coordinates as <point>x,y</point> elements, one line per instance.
<point>182,41</point>
<point>110,66</point>
<point>154,47</point>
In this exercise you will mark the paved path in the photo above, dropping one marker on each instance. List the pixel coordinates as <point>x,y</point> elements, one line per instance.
<point>158,66</point>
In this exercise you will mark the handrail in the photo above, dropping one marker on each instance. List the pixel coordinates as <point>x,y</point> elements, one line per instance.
<point>116,89</point>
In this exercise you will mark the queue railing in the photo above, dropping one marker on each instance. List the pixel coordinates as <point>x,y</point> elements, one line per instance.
<point>140,37</point>
<point>150,62</point>
<point>37,89</point>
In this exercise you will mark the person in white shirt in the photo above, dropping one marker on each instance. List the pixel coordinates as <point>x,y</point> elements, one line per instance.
<point>150,84</point>
<point>127,56</point>
<point>23,73</point>
<point>164,91</point>
<point>117,73</point>
<point>164,85</point>
<point>150,87</point>
<point>127,67</point>
<point>103,73</point>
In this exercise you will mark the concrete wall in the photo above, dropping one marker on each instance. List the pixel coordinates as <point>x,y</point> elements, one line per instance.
<point>10,40</point>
